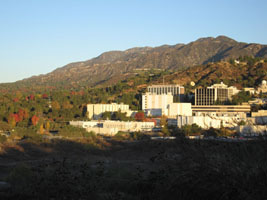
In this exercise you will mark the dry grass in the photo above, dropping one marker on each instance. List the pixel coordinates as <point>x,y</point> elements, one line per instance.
<point>145,169</point>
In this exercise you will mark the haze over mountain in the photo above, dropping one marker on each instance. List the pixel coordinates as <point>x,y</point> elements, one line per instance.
<point>115,64</point>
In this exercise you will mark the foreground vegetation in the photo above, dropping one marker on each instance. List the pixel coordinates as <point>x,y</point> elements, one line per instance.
<point>177,169</point>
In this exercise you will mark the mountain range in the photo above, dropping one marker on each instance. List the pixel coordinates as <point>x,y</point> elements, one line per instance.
<point>115,65</point>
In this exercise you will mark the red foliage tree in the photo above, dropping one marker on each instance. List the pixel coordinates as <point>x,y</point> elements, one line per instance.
<point>15,100</point>
<point>34,119</point>
<point>13,119</point>
<point>32,97</point>
<point>150,120</point>
<point>140,116</point>
<point>45,96</point>
<point>21,114</point>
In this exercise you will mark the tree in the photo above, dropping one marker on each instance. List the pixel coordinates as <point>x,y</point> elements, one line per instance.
<point>67,105</point>
<point>11,120</point>
<point>47,126</point>
<point>106,115</point>
<point>34,120</point>
<point>241,97</point>
<point>55,105</point>
<point>163,121</point>
<point>4,126</point>
<point>211,132</point>
<point>241,123</point>
<point>193,129</point>
<point>140,116</point>
<point>41,128</point>
<point>45,96</point>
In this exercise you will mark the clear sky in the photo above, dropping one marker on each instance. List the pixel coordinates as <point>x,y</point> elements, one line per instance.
<point>38,36</point>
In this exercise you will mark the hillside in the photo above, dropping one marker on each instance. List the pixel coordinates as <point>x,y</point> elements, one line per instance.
<point>117,65</point>
<point>240,75</point>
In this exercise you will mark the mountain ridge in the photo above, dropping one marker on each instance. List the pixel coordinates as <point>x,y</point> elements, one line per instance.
<point>166,57</point>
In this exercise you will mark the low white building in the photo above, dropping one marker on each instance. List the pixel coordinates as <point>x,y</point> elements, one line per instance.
<point>84,124</point>
<point>206,121</point>
<point>111,127</point>
<point>202,121</point>
<point>95,111</point>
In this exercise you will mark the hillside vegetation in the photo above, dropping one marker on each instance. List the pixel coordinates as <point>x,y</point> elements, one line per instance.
<point>48,109</point>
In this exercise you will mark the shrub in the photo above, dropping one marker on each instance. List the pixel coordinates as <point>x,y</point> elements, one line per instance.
<point>3,138</point>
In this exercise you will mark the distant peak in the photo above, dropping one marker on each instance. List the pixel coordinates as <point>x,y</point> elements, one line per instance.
<point>224,38</point>
<point>138,49</point>
<point>204,38</point>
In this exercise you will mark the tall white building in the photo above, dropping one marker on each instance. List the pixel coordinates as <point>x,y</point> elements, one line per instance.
<point>156,105</point>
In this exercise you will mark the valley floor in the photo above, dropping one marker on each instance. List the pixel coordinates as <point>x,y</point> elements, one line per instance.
<point>148,169</point>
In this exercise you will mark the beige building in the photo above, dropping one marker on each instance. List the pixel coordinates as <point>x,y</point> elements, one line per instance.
<point>215,93</point>
<point>156,104</point>
<point>95,111</point>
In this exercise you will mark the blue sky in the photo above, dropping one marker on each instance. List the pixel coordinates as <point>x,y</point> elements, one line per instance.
<point>38,36</point>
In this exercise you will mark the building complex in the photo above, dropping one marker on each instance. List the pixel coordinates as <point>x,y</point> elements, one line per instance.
<point>216,93</point>
<point>159,101</point>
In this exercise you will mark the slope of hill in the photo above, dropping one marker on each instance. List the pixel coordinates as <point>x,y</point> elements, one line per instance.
<point>116,65</point>
<point>240,75</point>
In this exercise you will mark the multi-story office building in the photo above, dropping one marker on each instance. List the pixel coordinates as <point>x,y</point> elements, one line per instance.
<point>216,93</point>
<point>176,90</point>
<point>96,110</point>
<point>156,105</point>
